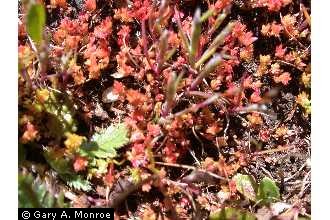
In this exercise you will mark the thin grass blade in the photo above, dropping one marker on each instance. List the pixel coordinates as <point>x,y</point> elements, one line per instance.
<point>218,41</point>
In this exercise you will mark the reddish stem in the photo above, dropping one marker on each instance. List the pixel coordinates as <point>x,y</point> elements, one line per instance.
<point>145,49</point>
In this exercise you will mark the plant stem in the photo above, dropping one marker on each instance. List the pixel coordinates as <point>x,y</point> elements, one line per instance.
<point>145,46</point>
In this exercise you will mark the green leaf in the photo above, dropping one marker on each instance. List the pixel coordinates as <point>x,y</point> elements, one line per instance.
<point>36,20</point>
<point>27,196</point>
<point>59,164</point>
<point>195,35</point>
<point>61,108</point>
<point>106,143</point>
<point>64,169</point>
<point>59,115</point>
<point>181,32</point>
<point>162,48</point>
<point>207,14</point>
<point>78,183</point>
<point>34,194</point>
<point>209,68</point>
<point>246,185</point>
<point>268,191</point>
<point>136,175</point>
<point>221,17</point>
<point>172,87</point>
<point>98,153</point>
<point>169,54</point>
<point>111,138</point>
<point>98,166</point>
<point>218,41</point>
<point>231,213</point>
<point>60,200</point>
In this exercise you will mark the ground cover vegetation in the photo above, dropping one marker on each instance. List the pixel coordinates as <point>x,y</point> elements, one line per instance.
<point>166,109</point>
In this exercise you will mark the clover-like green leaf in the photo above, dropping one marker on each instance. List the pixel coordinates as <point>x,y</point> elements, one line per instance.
<point>113,137</point>
<point>105,143</point>
<point>246,185</point>
<point>268,191</point>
